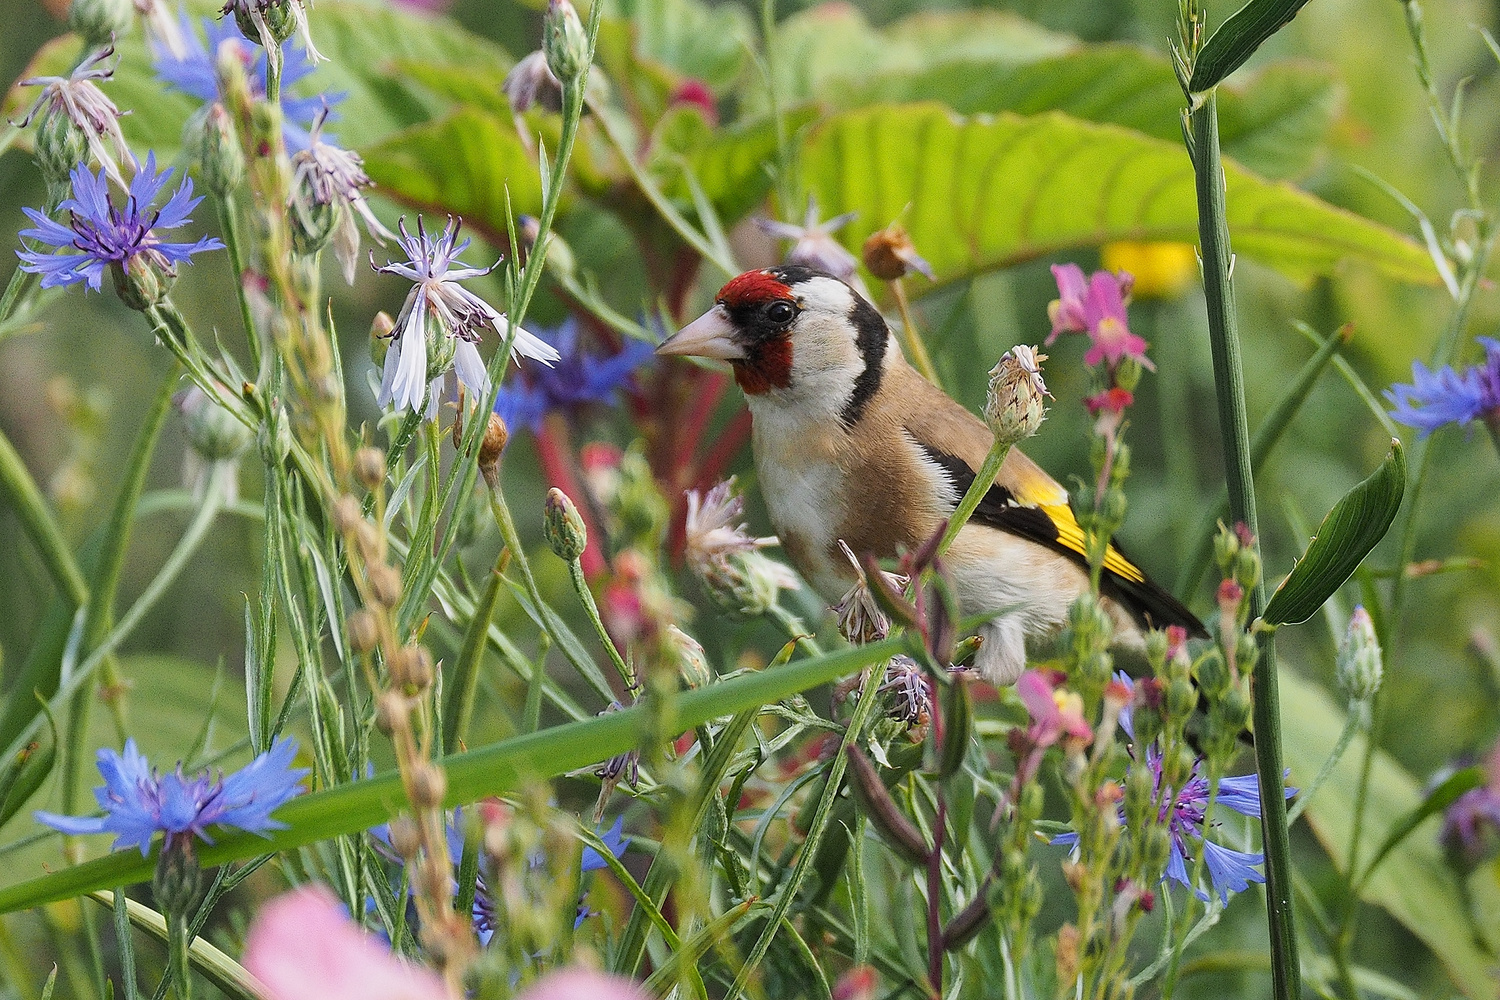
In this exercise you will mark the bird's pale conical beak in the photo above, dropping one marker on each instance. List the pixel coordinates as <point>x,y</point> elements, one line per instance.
<point>709,336</point>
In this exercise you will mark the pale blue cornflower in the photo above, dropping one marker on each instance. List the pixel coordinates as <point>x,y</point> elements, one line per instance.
<point>99,232</point>
<point>192,72</point>
<point>1445,396</point>
<point>435,271</point>
<point>578,379</point>
<point>138,803</point>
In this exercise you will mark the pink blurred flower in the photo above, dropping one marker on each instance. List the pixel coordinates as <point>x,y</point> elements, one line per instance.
<point>581,984</point>
<point>302,946</point>
<point>1066,311</point>
<point>1055,711</point>
<point>695,93</point>
<point>1107,324</point>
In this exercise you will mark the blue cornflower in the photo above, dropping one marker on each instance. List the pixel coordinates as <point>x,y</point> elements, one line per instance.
<point>1446,396</point>
<point>1228,870</point>
<point>106,234</point>
<point>578,378</point>
<point>138,802</point>
<point>192,72</point>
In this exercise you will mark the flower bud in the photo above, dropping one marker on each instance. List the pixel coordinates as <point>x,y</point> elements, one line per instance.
<point>382,327</point>
<point>530,82</point>
<point>1247,568</point>
<point>143,279</point>
<point>346,514</point>
<point>1212,675</point>
<point>428,785</point>
<point>889,254</point>
<point>411,669</point>
<point>391,711</point>
<point>1181,699</point>
<point>99,22</point>
<point>212,431</point>
<point>687,653</point>
<point>61,145</point>
<point>1359,669</point>
<point>278,16</point>
<point>1014,408</point>
<point>364,631</point>
<point>1226,547</point>
<point>178,881</point>
<point>563,526</point>
<point>491,446</point>
<point>369,467</point>
<point>385,584</point>
<point>1128,373</point>
<point>564,41</point>
<point>232,63</point>
<point>406,838</point>
<point>221,162</point>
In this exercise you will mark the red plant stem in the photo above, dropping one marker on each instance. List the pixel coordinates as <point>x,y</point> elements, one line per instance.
<point>553,449</point>
<point>935,894</point>
<point>700,410</point>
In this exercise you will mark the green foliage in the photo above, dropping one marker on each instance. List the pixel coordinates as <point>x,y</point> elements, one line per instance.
<point>1352,528</point>
<point>1237,38</point>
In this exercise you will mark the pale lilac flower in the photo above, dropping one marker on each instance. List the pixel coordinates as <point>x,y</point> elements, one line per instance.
<point>715,529</point>
<point>1475,814</point>
<point>334,176</point>
<point>1447,397</point>
<point>79,98</point>
<point>303,946</point>
<point>909,689</point>
<point>435,270</point>
<point>813,243</point>
<point>860,617</point>
<point>530,82</point>
<point>105,234</point>
<point>138,802</point>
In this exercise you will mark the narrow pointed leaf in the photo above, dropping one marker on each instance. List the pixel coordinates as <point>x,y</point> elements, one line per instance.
<point>1238,37</point>
<point>1357,522</point>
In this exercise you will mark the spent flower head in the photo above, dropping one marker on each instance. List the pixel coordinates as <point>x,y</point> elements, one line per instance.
<point>724,556</point>
<point>457,314</point>
<point>272,22</point>
<point>813,244</point>
<point>124,237</point>
<point>1014,409</point>
<point>1446,396</point>
<point>530,81</point>
<point>76,101</point>
<point>860,616</point>
<point>138,802</point>
<point>328,177</point>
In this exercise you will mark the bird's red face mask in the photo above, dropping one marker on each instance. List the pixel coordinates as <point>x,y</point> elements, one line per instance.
<point>750,326</point>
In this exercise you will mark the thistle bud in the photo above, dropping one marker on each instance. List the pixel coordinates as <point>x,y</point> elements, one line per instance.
<point>563,526</point>
<point>178,881</point>
<point>564,41</point>
<point>688,656</point>
<point>212,431</point>
<point>1226,547</point>
<point>1014,408</point>
<point>1359,669</point>
<point>260,20</point>
<point>221,162</point>
<point>99,22</point>
<point>60,146</point>
<point>889,254</point>
<point>381,329</point>
<point>143,279</point>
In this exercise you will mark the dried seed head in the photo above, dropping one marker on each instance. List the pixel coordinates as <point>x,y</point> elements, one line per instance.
<point>411,669</point>
<point>495,437</point>
<point>369,467</point>
<point>889,254</point>
<point>406,838</point>
<point>391,712</point>
<point>428,785</point>
<point>347,515</point>
<point>385,584</point>
<point>364,631</point>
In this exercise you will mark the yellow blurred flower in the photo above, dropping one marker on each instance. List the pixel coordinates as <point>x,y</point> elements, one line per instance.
<point>1161,270</point>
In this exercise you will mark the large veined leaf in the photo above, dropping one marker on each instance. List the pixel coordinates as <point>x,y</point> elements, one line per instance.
<point>366,44</point>
<point>1273,123</point>
<point>1414,884</point>
<point>1352,528</point>
<point>707,42</point>
<point>463,164</point>
<point>985,192</point>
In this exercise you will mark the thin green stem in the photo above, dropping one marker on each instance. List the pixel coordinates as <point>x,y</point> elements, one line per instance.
<point>25,499</point>
<point>581,585</point>
<point>1352,725</point>
<point>977,489</point>
<point>229,225</point>
<point>177,955</point>
<point>1234,427</point>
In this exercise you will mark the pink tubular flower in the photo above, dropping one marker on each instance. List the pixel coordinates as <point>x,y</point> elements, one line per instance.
<point>1055,711</point>
<point>1066,311</point>
<point>1107,324</point>
<point>581,984</point>
<point>302,946</point>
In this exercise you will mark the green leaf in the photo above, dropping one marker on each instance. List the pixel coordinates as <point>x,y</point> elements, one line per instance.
<point>729,164</point>
<point>1414,884</point>
<point>1237,38</point>
<point>215,966</point>
<point>1357,522</point>
<point>989,192</point>
<point>493,770</point>
<point>1435,802</point>
<point>707,42</point>
<point>1273,124</point>
<point>463,164</point>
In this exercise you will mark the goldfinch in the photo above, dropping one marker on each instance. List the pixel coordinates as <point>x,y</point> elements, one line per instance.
<point>853,445</point>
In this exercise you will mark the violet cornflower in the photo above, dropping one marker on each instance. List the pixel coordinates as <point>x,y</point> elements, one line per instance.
<point>1096,306</point>
<point>459,315</point>
<point>138,802</point>
<point>106,234</point>
<point>1472,823</point>
<point>576,380</point>
<point>1448,397</point>
<point>192,72</point>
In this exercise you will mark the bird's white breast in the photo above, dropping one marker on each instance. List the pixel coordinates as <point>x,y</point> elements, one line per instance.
<point>803,485</point>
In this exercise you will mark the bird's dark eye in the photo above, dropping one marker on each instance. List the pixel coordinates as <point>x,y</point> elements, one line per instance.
<point>781,312</point>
